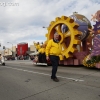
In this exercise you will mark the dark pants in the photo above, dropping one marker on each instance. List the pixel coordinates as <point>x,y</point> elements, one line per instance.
<point>55,61</point>
<point>42,58</point>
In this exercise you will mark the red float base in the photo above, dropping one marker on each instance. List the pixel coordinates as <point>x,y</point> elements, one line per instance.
<point>98,65</point>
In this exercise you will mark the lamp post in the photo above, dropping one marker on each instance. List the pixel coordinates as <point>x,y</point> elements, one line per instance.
<point>12,47</point>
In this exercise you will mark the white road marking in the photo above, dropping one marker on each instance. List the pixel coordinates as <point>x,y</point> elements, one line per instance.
<point>43,74</point>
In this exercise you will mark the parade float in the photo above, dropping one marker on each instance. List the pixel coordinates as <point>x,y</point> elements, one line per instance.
<point>93,59</point>
<point>76,38</point>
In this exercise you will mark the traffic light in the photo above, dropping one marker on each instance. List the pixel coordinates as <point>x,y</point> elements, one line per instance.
<point>0,44</point>
<point>3,47</point>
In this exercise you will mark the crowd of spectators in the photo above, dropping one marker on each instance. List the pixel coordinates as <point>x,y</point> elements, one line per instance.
<point>21,57</point>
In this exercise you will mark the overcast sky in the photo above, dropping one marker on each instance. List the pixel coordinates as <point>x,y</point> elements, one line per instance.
<point>23,20</point>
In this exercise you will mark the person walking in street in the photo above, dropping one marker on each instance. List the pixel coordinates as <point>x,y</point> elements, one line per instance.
<point>42,56</point>
<point>53,50</point>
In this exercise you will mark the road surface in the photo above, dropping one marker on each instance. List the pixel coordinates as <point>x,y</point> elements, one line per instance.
<point>21,80</point>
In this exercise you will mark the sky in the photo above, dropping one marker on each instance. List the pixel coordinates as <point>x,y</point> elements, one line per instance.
<point>23,20</point>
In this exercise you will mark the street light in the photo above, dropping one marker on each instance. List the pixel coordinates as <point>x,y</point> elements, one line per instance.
<point>12,47</point>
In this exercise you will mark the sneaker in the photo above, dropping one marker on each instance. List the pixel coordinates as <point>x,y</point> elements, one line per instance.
<point>52,77</point>
<point>56,79</point>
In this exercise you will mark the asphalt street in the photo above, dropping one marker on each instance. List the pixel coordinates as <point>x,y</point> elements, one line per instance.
<point>21,80</point>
